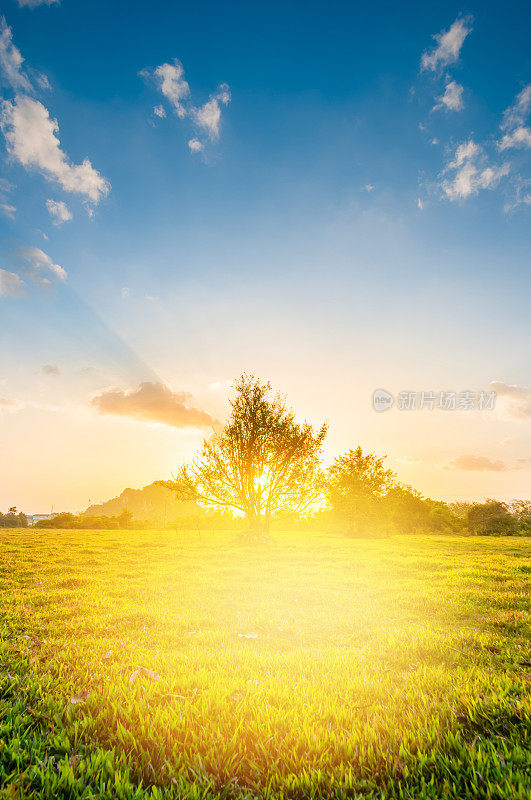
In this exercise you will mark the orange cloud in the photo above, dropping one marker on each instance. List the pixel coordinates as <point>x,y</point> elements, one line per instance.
<point>477,464</point>
<point>6,404</point>
<point>153,402</point>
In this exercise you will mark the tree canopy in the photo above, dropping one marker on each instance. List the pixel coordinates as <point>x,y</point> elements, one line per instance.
<point>263,461</point>
<point>491,518</point>
<point>355,481</point>
<point>12,519</point>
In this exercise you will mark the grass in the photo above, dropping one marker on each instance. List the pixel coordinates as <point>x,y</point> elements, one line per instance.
<point>314,667</point>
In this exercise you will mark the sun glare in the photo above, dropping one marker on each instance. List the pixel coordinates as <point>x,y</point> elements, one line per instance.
<point>265,408</point>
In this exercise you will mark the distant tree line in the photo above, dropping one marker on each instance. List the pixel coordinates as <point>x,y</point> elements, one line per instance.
<point>263,468</point>
<point>210,520</point>
<point>69,521</point>
<point>400,510</point>
<point>366,497</point>
<point>493,518</point>
<point>404,511</point>
<point>13,520</point>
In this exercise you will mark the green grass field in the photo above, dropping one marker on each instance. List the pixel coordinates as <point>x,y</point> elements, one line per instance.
<point>317,666</point>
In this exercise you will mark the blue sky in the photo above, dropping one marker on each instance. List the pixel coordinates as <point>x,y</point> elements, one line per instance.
<point>354,214</point>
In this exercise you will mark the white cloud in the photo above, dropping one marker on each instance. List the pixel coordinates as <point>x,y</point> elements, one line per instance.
<point>171,82</point>
<point>43,81</point>
<point>125,293</point>
<point>8,210</point>
<point>464,152</point>
<point>517,133</point>
<point>35,3</point>
<point>195,145</point>
<point>31,138</point>
<point>59,210</point>
<point>471,172</point>
<point>452,99</point>
<point>517,112</point>
<point>36,262</point>
<point>208,116</point>
<point>522,194</point>
<point>10,284</point>
<point>449,44</point>
<point>11,59</point>
<point>512,401</point>
<point>520,137</point>
<point>51,370</point>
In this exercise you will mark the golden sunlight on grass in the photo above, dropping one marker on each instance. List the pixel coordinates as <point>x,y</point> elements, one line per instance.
<point>316,666</point>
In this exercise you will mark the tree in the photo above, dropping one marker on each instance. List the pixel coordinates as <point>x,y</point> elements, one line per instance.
<point>13,520</point>
<point>355,483</point>
<point>410,512</point>
<point>460,508</point>
<point>442,518</point>
<point>521,510</point>
<point>491,518</point>
<point>260,463</point>
<point>406,509</point>
<point>125,519</point>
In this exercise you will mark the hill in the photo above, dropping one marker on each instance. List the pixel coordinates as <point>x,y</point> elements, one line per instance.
<point>153,502</point>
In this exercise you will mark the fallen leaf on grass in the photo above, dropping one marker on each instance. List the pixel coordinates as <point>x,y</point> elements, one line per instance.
<point>248,635</point>
<point>145,673</point>
<point>80,697</point>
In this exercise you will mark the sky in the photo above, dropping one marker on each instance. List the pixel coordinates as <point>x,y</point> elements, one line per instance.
<point>333,196</point>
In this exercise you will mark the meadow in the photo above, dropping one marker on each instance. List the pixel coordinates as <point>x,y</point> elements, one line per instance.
<point>154,664</point>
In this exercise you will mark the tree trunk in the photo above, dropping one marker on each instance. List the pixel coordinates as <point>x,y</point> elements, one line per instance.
<point>356,527</point>
<point>257,531</point>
